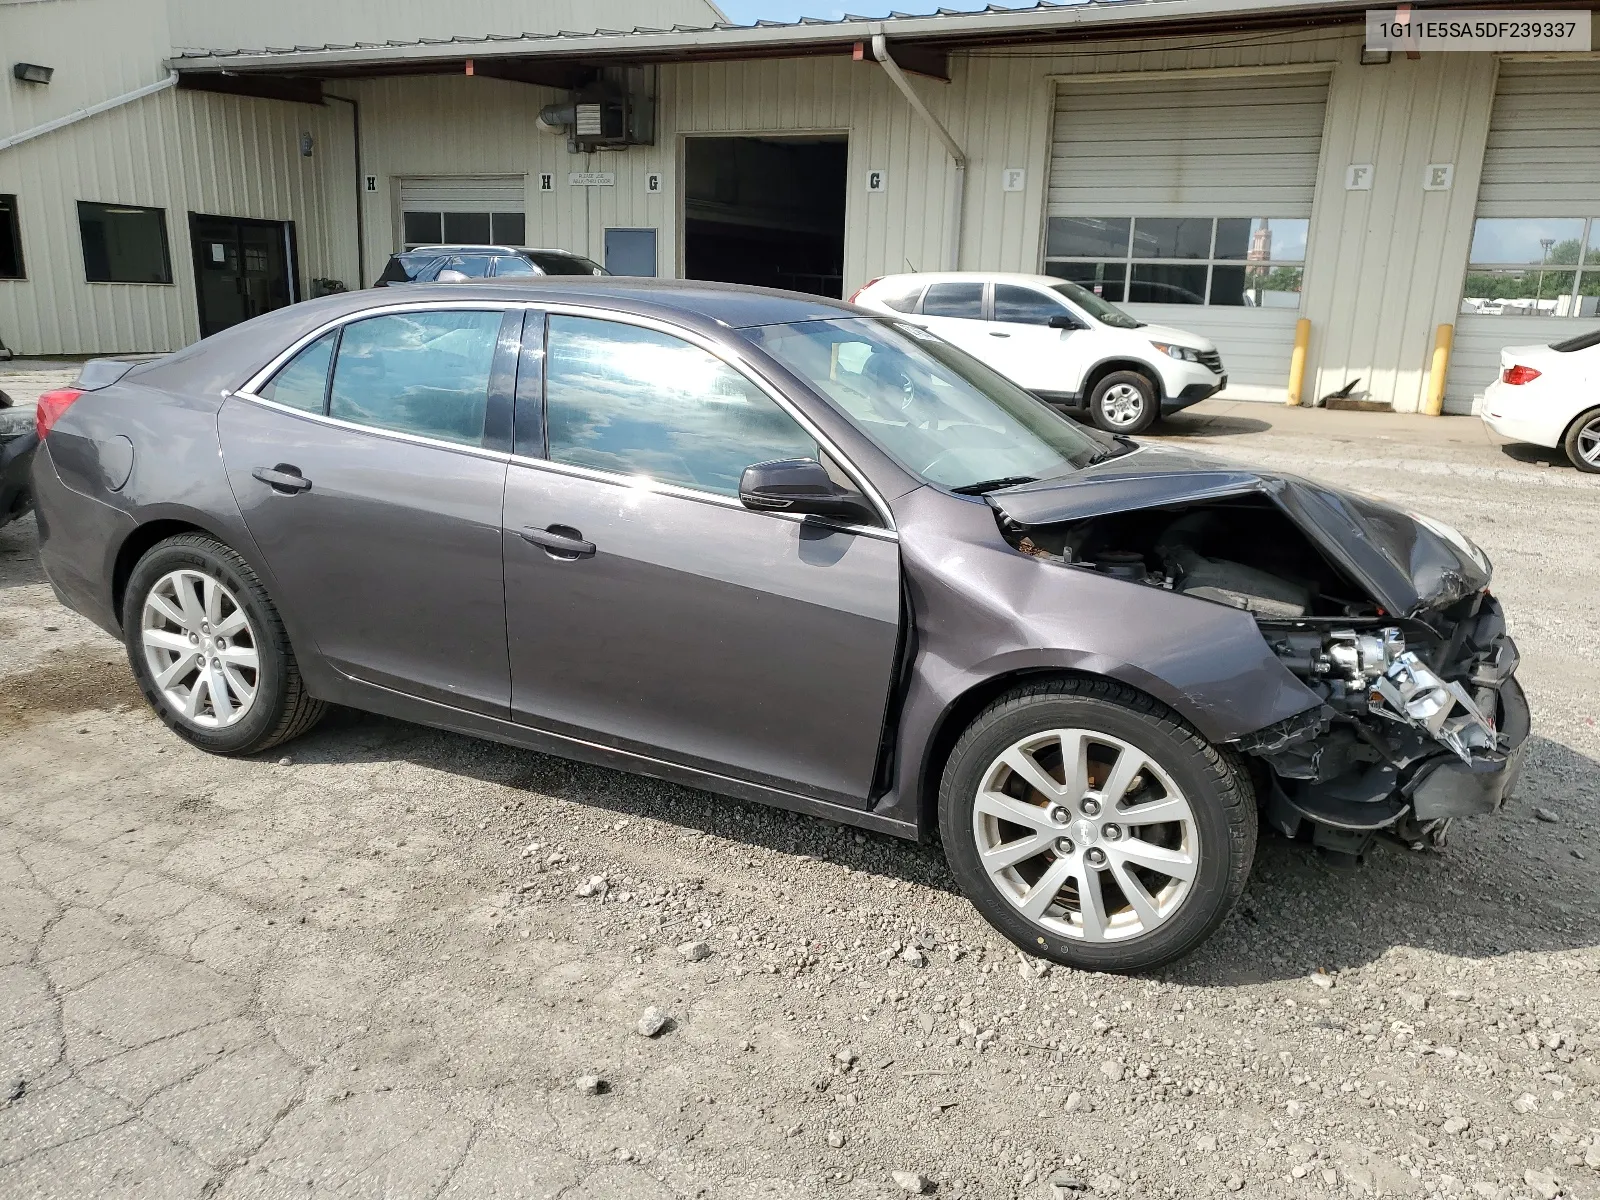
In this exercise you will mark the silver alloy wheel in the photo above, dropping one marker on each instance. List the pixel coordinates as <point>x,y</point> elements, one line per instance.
<point>200,649</point>
<point>1123,404</point>
<point>1085,835</point>
<point>1589,442</point>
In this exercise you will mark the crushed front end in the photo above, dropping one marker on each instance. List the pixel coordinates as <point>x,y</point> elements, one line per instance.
<point>1414,716</point>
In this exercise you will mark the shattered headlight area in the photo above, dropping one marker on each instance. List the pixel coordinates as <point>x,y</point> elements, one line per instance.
<point>1406,738</point>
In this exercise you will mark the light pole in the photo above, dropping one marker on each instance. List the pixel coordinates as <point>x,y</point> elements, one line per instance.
<point>1545,244</point>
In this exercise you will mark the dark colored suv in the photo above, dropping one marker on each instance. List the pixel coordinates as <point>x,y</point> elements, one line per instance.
<point>455,264</point>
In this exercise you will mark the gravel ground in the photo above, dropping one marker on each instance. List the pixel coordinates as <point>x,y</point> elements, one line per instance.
<point>395,962</point>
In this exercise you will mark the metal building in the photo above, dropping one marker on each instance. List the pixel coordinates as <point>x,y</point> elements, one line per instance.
<point>1228,166</point>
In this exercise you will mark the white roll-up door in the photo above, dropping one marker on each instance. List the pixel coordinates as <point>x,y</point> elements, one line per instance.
<point>464,208</point>
<point>1195,146</point>
<point>1189,146</point>
<point>1541,164</point>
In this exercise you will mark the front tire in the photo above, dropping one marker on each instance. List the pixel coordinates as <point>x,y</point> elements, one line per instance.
<point>1582,442</point>
<point>209,650</point>
<point>1093,827</point>
<point>1124,402</point>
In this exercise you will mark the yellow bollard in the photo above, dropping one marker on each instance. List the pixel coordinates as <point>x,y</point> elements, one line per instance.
<point>1297,360</point>
<point>1443,339</point>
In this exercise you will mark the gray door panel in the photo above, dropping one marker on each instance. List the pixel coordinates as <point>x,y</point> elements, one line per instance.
<point>392,555</point>
<point>701,632</point>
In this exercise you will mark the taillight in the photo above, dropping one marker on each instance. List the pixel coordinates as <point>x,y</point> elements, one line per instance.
<point>1519,374</point>
<point>51,406</point>
<point>861,289</point>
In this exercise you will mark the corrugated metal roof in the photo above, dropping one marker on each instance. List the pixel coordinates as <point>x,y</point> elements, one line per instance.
<point>952,25</point>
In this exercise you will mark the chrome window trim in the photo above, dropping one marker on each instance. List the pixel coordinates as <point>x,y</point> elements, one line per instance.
<point>644,483</point>
<point>694,338</point>
<point>415,439</point>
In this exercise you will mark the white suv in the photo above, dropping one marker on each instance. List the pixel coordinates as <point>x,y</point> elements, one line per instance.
<point>1060,341</point>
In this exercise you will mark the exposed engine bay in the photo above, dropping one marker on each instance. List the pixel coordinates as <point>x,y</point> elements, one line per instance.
<point>1420,717</point>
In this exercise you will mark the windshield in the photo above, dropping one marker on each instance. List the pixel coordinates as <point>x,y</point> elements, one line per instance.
<point>1101,310</point>
<point>937,411</point>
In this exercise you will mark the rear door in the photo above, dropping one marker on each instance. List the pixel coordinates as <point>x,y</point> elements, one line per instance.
<point>954,309</point>
<point>370,469</point>
<point>649,610</point>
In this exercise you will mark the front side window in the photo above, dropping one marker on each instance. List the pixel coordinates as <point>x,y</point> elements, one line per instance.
<point>938,412</point>
<point>954,300</point>
<point>425,373</point>
<point>10,240</point>
<point>508,264</point>
<point>1236,262</point>
<point>473,266</point>
<point>1534,267</point>
<point>1017,305</point>
<point>302,382</point>
<point>123,243</point>
<point>633,401</point>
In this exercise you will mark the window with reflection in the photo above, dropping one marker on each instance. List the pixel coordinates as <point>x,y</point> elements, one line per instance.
<point>634,401</point>
<point>425,373</point>
<point>1239,262</point>
<point>1533,267</point>
<point>302,382</point>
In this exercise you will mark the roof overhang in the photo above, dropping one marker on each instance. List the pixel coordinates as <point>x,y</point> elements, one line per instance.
<point>553,58</point>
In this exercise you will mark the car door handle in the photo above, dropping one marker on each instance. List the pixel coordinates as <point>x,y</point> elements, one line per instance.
<point>560,541</point>
<point>997,333</point>
<point>283,478</point>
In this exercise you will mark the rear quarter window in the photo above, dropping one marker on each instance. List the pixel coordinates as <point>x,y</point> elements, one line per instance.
<point>902,297</point>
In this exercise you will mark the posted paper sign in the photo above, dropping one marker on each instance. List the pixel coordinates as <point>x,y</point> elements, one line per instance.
<point>1544,30</point>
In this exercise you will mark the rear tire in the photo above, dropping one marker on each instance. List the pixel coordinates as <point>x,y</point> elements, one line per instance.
<point>1582,442</point>
<point>1070,873</point>
<point>209,650</point>
<point>1124,402</point>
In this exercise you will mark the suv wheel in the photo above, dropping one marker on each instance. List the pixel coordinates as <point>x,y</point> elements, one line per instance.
<point>1093,827</point>
<point>209,650</point>
<point>1124,402</point>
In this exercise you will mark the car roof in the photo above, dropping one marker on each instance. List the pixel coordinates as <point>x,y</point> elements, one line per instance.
<point>475,248</point>
<point>919,278</point>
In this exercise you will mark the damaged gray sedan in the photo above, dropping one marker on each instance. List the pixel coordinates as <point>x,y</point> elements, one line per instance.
<point>788,551</point>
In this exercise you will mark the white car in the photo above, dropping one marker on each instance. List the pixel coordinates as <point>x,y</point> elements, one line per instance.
<point>1550,396</point>
<point>1060,341</point>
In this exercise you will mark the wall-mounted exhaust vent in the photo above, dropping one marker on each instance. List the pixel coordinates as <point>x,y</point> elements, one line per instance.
<point>615,110</point>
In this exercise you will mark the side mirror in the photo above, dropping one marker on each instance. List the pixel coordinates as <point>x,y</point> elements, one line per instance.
<point>1065,321</point>
<point>449,276</point>
<point>802,485</point>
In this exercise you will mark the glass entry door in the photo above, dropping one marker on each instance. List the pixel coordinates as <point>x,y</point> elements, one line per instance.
<point>243,268</point>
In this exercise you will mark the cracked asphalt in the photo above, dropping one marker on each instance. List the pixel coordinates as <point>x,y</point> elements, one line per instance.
<point>361,966</point>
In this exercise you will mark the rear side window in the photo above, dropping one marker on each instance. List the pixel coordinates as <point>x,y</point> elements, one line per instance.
<point>902,297</point>
<point>425,373</point>
<point>302,382</point>
<point>637,402</point>
<point>403,268</point>
<point>954,300</point>
<point>509,265</point>
<point>1024,306</point>
<point>473,266</point>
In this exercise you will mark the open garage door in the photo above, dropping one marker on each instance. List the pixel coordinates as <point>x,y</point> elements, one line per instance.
<point>1188,200</point>
<point>478,209</point>
<point>1529,279</point>
<point>766,211</point>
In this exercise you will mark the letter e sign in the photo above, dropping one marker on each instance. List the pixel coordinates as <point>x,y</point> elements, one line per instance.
<point>877,181</point>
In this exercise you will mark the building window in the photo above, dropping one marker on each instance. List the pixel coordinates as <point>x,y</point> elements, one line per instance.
<point>1534,267</point>
<point>1235,262</point>
<point>10,240</point>
<point>124,244</point>
<point>463,229</point>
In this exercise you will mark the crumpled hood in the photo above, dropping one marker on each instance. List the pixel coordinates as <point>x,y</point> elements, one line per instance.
<point>1408,564</point>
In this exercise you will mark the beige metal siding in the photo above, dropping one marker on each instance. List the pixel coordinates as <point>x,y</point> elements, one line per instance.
<point>1384,266</point>
<point>183,152</point>
<point>1542,159</point>
<point>1188,146</point>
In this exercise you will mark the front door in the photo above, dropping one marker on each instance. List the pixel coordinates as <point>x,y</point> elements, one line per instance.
<point>649,611</point>
<point>365,477</point>
<point>1039,357</point>
<point>242,268</point>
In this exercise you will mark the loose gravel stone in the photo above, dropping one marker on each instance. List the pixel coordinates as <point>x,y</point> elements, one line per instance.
<point>591,1085</point>
<point>835,1138</point>
<point>1112,1070</point>
<point>1545,1185</point>
<point>653,1023</point>
<point>910,1181</point>
<point>695,951</point>
<point>1547,815</point>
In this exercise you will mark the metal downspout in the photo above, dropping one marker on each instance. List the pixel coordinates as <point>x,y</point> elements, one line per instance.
<point>94,110</point>
<point>361,220</point>
<point>880,52</point>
